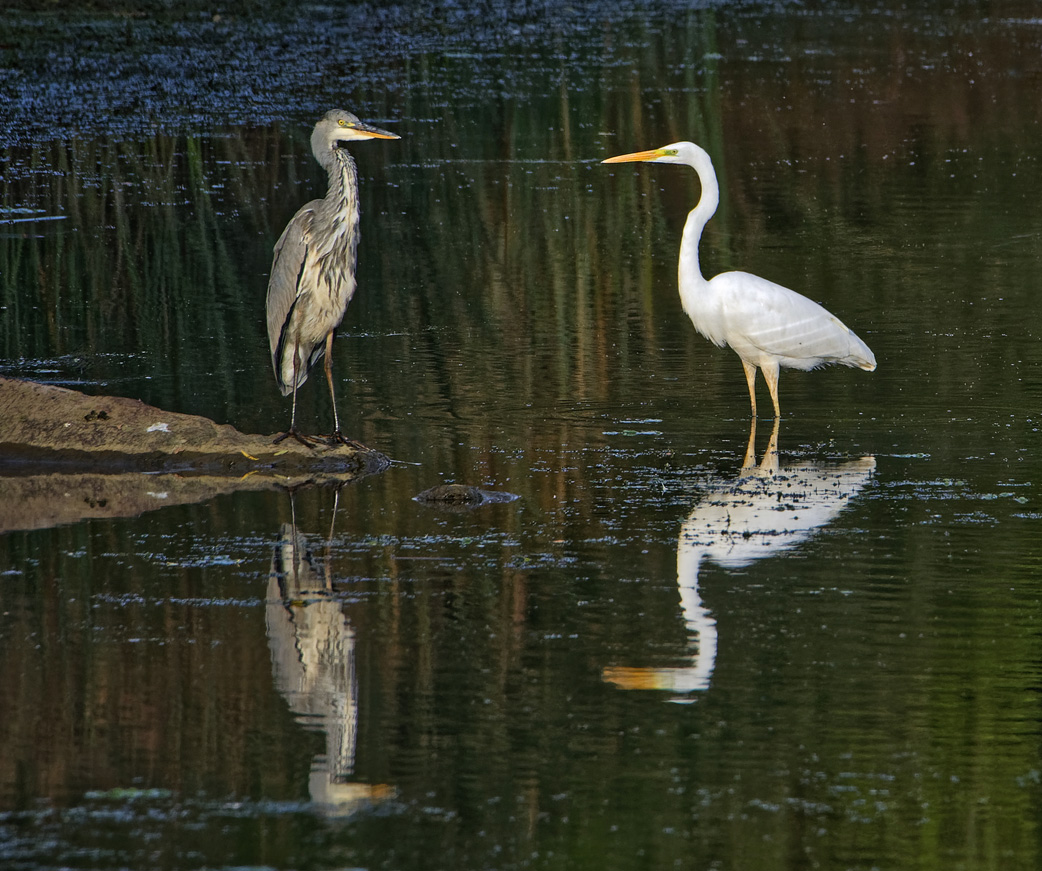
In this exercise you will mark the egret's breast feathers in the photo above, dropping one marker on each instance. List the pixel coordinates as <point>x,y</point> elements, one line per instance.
<point>758,318</point>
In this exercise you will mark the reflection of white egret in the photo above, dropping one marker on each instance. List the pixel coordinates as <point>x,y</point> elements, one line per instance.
<point>313,659</point>
<point>765,512</point>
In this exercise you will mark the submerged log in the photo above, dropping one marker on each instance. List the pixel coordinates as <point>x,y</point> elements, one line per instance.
<point>65,455</point>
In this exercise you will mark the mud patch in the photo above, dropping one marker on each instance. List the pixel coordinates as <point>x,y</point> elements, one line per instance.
<point>66,456</point>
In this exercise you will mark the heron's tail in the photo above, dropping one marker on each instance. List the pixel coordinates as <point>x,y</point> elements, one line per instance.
<point>283,363</point>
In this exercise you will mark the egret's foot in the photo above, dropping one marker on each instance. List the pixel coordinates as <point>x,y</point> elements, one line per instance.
<point>307,441</point>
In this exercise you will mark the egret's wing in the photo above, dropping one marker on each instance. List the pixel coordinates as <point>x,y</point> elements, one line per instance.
<point>774,320</point>
<point>284,284</point>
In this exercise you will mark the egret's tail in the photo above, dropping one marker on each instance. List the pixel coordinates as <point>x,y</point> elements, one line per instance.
<point>860,354</point>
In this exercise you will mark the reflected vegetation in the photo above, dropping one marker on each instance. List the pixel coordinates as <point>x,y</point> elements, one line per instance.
<point>143,289</point>
<point>765,512</point>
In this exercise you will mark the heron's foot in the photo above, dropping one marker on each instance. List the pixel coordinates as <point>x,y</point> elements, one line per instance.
<point>338,438</point>
<point>307,441</point>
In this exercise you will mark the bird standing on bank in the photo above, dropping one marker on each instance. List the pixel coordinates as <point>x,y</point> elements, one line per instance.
<point>767,325</point>
<point>313,271</point>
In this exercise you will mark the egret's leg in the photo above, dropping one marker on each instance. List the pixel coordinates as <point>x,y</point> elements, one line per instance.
<point>770,375</point>
<point>750,452</point>
<point>769,466</point>
<point>750,379</point>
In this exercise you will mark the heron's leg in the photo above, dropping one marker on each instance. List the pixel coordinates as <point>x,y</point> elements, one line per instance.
<point>293,413</point>
<point>292,431</point>
<point>338,437</point>
<point>750,379</point>
<point>327,573</point>
<point>770,375</point>
<point>329,381</point>
<point>336,504</point>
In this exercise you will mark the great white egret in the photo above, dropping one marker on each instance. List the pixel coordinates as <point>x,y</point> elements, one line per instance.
<point>767,325</point>
<point>313,271</point>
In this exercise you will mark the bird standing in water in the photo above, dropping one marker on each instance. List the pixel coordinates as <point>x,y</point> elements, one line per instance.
<point>767,325</point>
<point>313,271</point>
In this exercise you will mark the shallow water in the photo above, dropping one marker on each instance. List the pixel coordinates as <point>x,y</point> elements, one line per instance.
<point>659,655</point>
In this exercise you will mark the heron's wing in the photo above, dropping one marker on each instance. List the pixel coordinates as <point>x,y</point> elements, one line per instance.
<point>765,317</point>
<point>286,266</point>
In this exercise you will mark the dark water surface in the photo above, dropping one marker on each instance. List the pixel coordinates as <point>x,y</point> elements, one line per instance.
<point>650,659</point>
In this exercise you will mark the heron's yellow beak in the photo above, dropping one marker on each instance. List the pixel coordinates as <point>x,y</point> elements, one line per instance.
<point>654,154</point>
<point>371,132</point>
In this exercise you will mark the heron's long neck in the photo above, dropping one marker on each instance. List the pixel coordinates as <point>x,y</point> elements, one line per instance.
<point>342,195</point>
<point>690,271</point>
<point>338,212</point>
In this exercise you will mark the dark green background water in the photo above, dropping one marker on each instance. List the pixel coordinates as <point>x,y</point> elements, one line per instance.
<point>867,658</point>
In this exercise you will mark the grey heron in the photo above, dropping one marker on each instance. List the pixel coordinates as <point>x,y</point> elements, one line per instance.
<point>313,270</point>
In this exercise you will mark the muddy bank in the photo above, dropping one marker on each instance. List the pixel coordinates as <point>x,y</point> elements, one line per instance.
<point>46,426</point>
<point>66,456</point>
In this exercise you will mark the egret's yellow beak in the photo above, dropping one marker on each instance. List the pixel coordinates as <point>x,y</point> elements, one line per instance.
<point>654,154</point>
<point>635,678</point>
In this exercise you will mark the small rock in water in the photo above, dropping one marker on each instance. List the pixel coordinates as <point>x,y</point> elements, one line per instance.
<point>461,495</point>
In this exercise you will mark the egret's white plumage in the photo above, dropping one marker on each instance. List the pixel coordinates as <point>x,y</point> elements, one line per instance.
<point>767,325</point>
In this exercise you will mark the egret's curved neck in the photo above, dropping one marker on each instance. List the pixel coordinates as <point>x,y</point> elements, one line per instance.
<point>690,272</point>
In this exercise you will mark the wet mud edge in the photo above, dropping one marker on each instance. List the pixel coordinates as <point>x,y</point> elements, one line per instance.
<point>47,427</point>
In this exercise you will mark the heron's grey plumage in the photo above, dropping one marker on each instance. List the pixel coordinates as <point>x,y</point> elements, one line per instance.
<point>313,270</point>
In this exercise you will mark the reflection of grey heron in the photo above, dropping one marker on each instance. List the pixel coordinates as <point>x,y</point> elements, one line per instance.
<point>313,272</point>
<point>313,660</point>
<point>766,324</point>
<point>765,512</point>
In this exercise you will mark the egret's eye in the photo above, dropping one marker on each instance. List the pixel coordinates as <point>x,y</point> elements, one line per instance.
<point>672,152</point>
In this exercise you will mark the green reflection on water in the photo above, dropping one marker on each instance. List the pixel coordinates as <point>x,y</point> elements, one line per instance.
<point>873,701</point>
